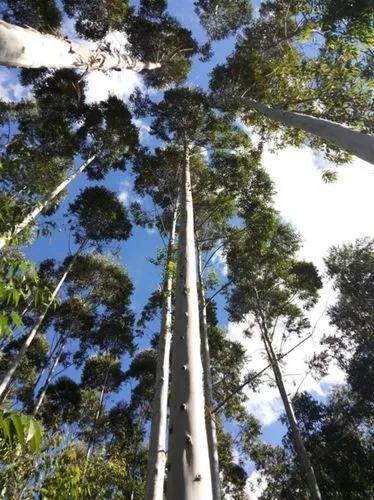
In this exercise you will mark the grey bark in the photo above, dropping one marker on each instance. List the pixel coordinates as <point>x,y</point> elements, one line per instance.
<point>42,205</point>
<point>356,143</point>
<point>28,48</point>
<point>157,444</point>
<point>208,390</point>
<point>296,435</point>
<point>189,469</point>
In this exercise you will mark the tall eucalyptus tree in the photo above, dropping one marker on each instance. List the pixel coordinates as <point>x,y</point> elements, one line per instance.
<point>97,218</point>
<point>274,81</point>
<point>270,284</point>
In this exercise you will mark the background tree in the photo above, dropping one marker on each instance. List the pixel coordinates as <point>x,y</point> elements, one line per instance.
<point>267,282</point>
<point>97,218</point>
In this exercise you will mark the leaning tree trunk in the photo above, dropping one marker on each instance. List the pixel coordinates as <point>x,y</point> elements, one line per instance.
<point>41,206</point>
<point>296,435</point>
<point>357,143</point>
<point>208,390</point>
<point>157,443</point>
<point>47,382</point>
<point>28,48</point>
<point>17,361</point>
<point>189,469</point>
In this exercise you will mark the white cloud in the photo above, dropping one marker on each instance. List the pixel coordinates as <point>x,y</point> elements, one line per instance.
<point>143,127</point>
<point>118,83</point>
<point>219,260</point>
<point>125,191</point>
<point>255,486</point>
<point>325,215</point>
<point>10,88</point>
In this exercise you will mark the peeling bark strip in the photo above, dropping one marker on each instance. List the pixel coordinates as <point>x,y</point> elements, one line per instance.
<point>189,469</point>
<point>356,143</point>
<point>28,48</point>
<point>157,442</point>
<point>42,205</point>
<point>208,390</point>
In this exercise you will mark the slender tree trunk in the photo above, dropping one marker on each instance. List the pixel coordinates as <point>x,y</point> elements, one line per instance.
<point>357,143</point>
<point>208,390</point>
<point>17,361</point>
<point>298,441</point>
<point>189,468</point>
<point>157,444</point>
<point>28,48</point>
<point>97,416</point>
<point>41,206</point>
<point>44,370</point>
<point>47,382</point>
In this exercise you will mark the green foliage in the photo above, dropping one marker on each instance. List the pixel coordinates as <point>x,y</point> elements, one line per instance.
<point>267,277</point>
<point>98,216</point>
<point>223,18</point>
<point>19,286</point>
<point>339,443</point>
<point>19,430</point>
<point>95,19</point>
<point>108,132</point>
<point>163,40</point>
<point>40,14</point>
<point>276,62</point>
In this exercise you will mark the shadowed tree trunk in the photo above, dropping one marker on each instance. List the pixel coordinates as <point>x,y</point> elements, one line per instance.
<point>189,469</point>
<point>208,390</point>
<point>28,48</point>
<point>356,143</point>
<point>157,444</point>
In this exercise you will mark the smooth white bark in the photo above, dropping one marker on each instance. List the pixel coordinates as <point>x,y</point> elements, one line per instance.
<point>356,143</point>
<point>51,371</point>
<point>208,390</point>
<point>296,435</point>
<point>17,361</point>
<point>157,443</point>
<point>42,205</point>
<point>28,48</point>
<point>189,469</point>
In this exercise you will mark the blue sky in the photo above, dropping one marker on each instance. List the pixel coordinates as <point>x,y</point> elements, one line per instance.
<point>324,214</point>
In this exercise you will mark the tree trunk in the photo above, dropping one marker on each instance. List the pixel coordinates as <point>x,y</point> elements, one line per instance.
<point>28,48</point>
<point>189,469</point>
<point>356,143</point>
<point>41,206</point>
<point>97,416</point>
<point>298,441</point>
<point>208,390</point>
<point>9,375</point>
<point>157,443</point>
<point>51,371</point>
